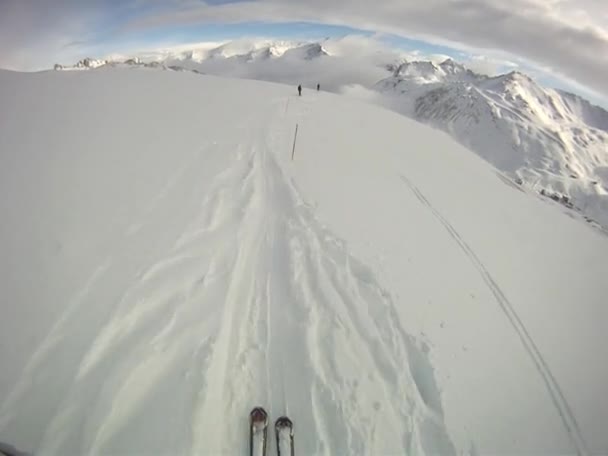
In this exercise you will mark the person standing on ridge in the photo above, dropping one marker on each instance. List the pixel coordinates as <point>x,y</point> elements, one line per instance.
<point>318,87</point>
<point>300,90</point>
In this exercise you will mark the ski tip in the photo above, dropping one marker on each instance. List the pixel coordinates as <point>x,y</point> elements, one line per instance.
<point>283,423</point>
<point>258,415</point>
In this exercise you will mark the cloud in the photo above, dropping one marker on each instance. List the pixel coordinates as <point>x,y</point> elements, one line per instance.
<point>483,64</point>
<point>364,94</point>
<point>567,37</point>
<point>33,31</point>
<point>540,31</point>
<point>344,66</point>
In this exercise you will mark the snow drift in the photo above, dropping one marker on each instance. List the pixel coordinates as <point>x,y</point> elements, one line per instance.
<point>167,266</point>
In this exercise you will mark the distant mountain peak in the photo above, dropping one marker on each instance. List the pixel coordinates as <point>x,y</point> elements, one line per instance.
<point>518,76</point>
<point>308,51</point>
<point>427,72</point>
<point>452,67</point>
<point>450,63</point>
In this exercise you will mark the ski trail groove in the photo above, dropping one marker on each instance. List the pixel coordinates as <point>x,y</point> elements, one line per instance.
<point>251,302</point>
<point>239,299</point>
<point>553,388</point>
<point>350,323</point>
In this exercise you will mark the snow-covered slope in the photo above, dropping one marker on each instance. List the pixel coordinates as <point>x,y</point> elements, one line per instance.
<point>552,142</point>
<point>167,266</point>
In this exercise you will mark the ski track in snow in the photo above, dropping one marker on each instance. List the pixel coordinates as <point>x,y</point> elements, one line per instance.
<point>256,303</point>
<point>553,388</point>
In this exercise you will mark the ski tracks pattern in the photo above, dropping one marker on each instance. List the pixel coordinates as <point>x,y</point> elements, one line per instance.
<point>302,326</point>
<point>557,396</point>
<point>256,303</point>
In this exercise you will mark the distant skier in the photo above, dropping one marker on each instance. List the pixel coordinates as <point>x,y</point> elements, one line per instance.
<point>318,87</point>
<point>300,90</point>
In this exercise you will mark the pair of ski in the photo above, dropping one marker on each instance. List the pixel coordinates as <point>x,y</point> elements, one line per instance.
<point>258,431</point>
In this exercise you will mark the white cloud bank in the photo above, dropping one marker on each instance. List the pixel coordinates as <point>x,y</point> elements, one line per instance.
<point>567,37</point>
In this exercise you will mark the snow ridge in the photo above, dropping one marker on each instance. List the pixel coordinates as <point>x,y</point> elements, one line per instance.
<point>243,51</point>
<point>548,141</point>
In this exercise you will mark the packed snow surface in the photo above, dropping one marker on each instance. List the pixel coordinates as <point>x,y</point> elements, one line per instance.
<point>167,266</point>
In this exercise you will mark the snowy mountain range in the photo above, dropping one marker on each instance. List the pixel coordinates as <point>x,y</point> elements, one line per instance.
<point>553,142</point>
<point>239,52</point>
<point>548,141</point>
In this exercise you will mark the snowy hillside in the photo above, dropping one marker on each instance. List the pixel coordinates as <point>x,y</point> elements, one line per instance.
<point>551,142</point>
<point>168,266</point>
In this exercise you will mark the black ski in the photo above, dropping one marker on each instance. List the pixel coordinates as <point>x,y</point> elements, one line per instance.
<point>283,429</point>
<point>258,429</point>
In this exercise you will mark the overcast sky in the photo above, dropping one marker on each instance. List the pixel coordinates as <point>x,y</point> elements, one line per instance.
<point>564,38</point>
